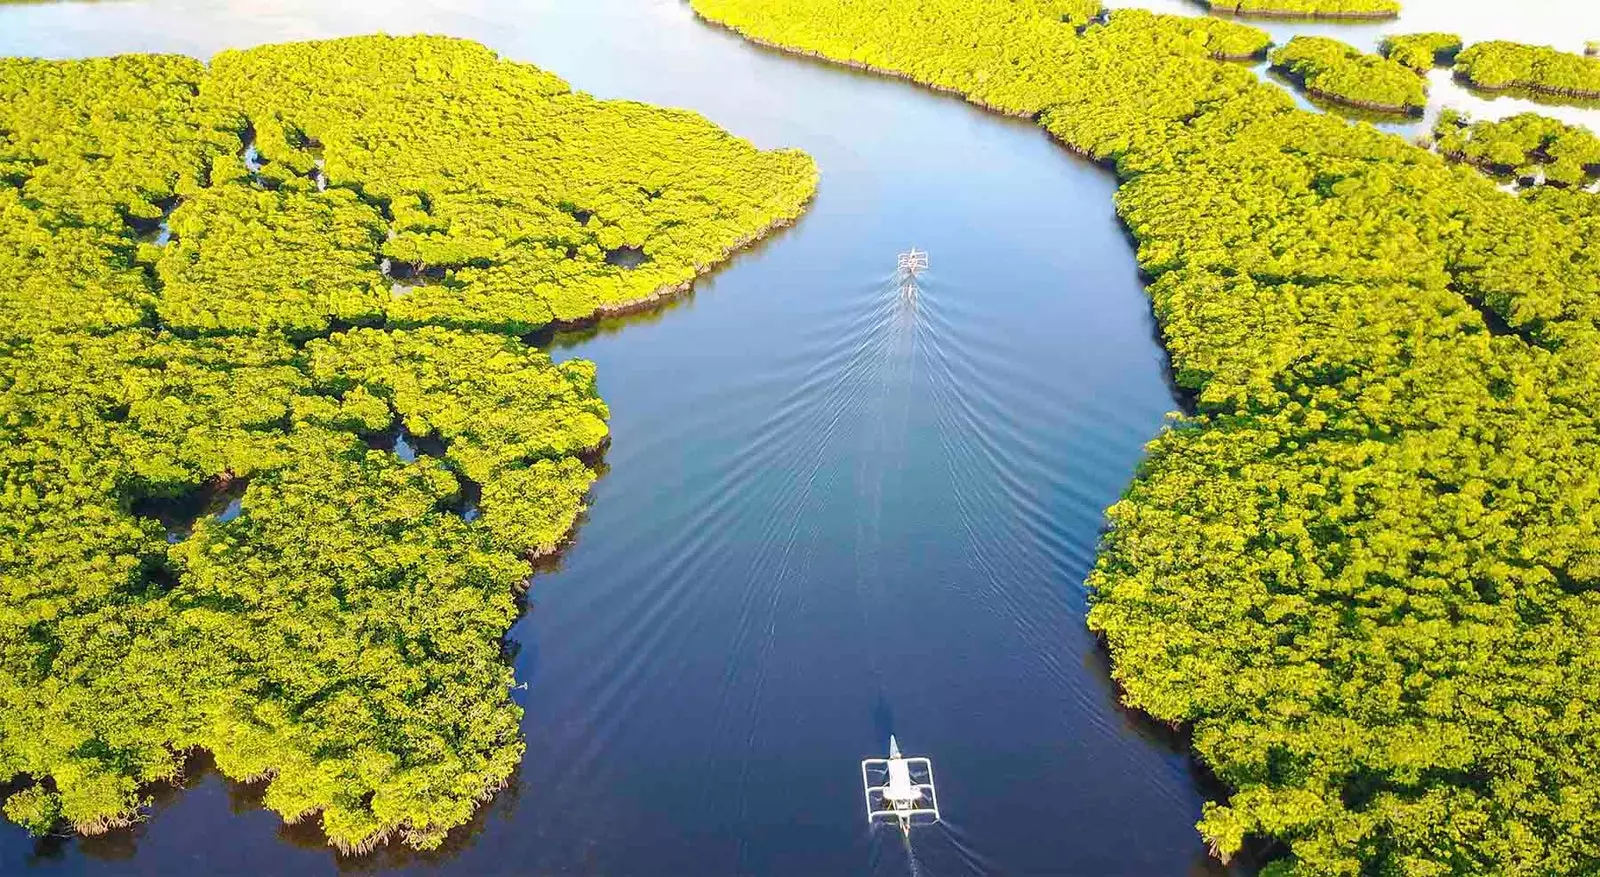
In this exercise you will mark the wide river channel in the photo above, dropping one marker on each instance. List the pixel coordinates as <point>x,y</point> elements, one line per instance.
<point>833,512</point>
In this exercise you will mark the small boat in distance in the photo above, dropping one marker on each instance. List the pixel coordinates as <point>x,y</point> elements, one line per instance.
<point>907,790</point>
<point>907,266</point>
<point>912,262</point>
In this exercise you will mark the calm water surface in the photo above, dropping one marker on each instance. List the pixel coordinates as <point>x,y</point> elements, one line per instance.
<point>831,513</point>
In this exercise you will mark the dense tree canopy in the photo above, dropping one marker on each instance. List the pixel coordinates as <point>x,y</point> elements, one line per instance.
<point>1340,72</point>
<point>1308,8</point>
<point>193,306</point>
<point>1421,51</point>
<point>1366,569</point>
<point>1498,64</point>
<point>1530,146</point>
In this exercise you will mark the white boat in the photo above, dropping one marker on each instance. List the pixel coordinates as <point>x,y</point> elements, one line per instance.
<point>906,792</point>
<point>912,262</point>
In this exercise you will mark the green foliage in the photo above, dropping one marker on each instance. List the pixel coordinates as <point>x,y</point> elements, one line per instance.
<point>340,637</point>
<point>1339,72</point>
<point>84,145</point>
<point>1421,51</point>
<point>1366,571</point>
<point>1307,8</point>
<point>1528,145</point>
<point>246,260</point>
<point>1498,64</point>
<point>499,173</point>
<point>35,809</point>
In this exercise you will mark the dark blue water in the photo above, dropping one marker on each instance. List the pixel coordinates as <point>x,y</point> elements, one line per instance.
<point>832,512</point>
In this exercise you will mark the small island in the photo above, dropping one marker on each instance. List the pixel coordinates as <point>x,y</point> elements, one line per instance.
<point>1498,65</point>
<point>1421,51</point>
<point>1335,71</point>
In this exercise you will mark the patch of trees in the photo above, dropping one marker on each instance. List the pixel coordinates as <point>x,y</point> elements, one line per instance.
<point>1499,64</point>
<point>74,171</point>
<point>1366,572</point>
<point>1528,146</point>
<point>555,181</point>
<point>339,638</point>
<point>1421,51</point>
<point>1307,8</point>
<point>1330,69</point>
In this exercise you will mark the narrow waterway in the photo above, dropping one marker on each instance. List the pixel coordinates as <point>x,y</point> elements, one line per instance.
<point>832,511</point>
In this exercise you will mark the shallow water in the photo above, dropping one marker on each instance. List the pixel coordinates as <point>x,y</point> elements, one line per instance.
<point>832,511</point>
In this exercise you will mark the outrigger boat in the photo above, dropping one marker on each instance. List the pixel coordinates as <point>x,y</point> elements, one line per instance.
<point>912,262</point>
<point>907,791</point>
<point>907,266</point>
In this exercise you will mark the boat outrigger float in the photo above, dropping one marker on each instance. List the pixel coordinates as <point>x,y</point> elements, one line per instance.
<point>907,791</point>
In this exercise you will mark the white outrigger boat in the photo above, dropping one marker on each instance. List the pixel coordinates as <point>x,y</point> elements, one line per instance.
<point>907,790</point>
<point>912,262</point>
<point>908,266</point>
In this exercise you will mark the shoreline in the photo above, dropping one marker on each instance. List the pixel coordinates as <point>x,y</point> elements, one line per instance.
<point>537,557</point>
<point>1535,88</point>
<point>1291,14</point>
<point>667,292</point>
<point>1372,106</point>
<point>862,66</point>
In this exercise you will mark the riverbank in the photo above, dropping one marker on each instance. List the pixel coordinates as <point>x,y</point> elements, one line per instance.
<point>667,292</point>
<point>1529,87</point>
<point>795,51</point>
<point>1412,110</point>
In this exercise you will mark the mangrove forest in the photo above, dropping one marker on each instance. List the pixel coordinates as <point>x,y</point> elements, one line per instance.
<point>1364,570</point>
<point>247,280</point>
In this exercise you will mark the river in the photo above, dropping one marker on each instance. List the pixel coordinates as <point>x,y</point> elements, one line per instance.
<point>832,512</point>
